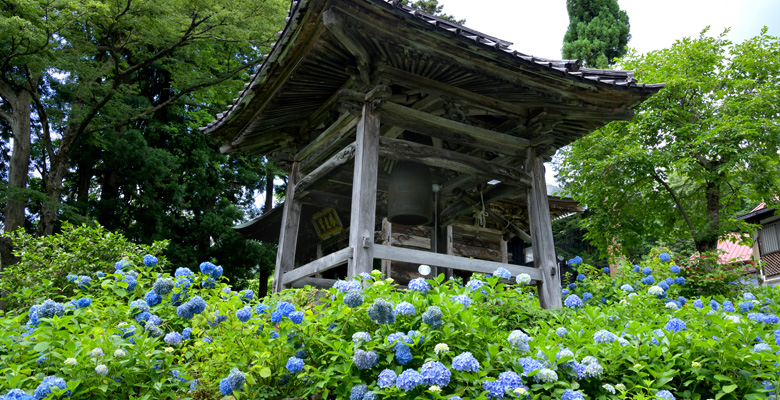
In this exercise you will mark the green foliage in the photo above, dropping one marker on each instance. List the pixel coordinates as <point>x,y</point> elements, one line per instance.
<point>707,274</point>
<point>79,250</point>
<point>695,151</point>
<point>598,32</point>
<point>714,356</point>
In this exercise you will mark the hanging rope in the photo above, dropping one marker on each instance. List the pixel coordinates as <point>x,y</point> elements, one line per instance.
<point>480,217</point>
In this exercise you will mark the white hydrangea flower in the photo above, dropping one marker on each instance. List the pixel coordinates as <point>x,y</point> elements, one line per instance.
<point>70,361</point>
<point>523,279</point>
<point>655,290</point>
<point>96,352</point>
<point>441,347</point>
<point>120,353</point>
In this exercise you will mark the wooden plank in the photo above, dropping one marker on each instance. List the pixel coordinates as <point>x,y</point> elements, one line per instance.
<point>316,282</point>
<point>441,158</point>
<point>402,240</point>
<point>541,235</point>
<point>331,134</point>
<point>437,88</point>
<point>288,236</point>
<point>495,193</point>
<point>340,135</point>
<point>504,251</point>
<point>317,266</point>
<point>452,131</point>
<point>449,261</point>
<point>364,180</point>
<point>339,159</point>
<point>387,232</point>
<point>497,217</point>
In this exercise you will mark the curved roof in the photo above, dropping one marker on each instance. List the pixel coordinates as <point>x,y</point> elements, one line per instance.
<point>294,89</point>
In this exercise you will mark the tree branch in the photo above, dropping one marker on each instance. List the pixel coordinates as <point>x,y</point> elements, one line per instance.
<point>676,200</point>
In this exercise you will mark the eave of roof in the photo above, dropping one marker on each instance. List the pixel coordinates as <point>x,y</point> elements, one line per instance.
<point>227,125</point>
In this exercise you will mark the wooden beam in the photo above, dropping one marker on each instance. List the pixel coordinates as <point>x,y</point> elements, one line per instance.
<point>342,203</point>
<point>441,158</point>
<point>339,159</point>
<point>288,236</point>
<point>316,282</point>
<point>498,218</point>
<point>452,131</point>
<point>364,182</point>
<point>437,88</point>
<point>323,264</point>
<point>495,193</point>
<point>449,261</point>
<point>541,234</point>
<point>337,25</point>
<point>331,134</point>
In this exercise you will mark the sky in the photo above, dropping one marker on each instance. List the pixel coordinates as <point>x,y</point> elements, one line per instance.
<point>536,27</point>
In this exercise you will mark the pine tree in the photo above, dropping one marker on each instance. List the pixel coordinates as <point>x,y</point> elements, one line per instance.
<point>598,32</point>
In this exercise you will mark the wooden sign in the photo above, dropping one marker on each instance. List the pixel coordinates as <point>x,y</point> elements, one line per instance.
<point>327,223</point>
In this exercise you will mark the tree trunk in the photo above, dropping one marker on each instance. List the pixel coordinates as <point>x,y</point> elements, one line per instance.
<point>19,119</point>
<point>269,193</point>
<point>708,240</point>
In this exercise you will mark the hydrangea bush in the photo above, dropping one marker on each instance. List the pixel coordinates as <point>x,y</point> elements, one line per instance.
<point>136,333</point>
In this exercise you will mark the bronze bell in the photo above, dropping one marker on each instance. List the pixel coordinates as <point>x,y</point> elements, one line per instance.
<point>410,195</point>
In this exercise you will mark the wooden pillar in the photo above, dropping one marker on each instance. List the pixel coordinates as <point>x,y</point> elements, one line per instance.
<point>541,234</point>
<point>288,237</point>
<point>363,215</point>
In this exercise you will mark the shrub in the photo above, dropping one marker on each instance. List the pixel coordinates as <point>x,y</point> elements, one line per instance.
<point>451,340</point>
<point>707,276</point>
<point>76,250</point>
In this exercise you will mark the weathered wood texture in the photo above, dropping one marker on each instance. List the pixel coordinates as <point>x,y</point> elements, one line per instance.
<point>449,261</point>
<point>288,237</point>
<point>361,234</point>
<point>541,235</point>
<point>319,148</point>
<point>342,157</point>
<point>321,283</point>
<point>323,264</point>
<point>434,157</point>
<point>452,131</point>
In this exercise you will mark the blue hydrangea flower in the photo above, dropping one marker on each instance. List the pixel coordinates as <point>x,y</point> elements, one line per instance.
<point>285,308</point>
<point>225,388</point>
<point>296,317</point>
<point>669,281</point>
<point>575,261</point>
<point>247,295</point>
<point>462,299</point>
<point>569,394</point>
<point>435,373</point>
<point>572,286</point>
<point>510,381</point>
<point>185,311</point>
<point>183,272</point>
<point>386,378</point>
<point>381,312</point>
<point>102,369</point>
<point>100,274</point>
<point>364,359</point>
<point>403,354</point>
<point>294,365</point>
<point>420,285</point>
<point>353,299</point>
<point>746,306</point>
<point>244,314</point>
<point>121,264</point>
<point>564,292</point>
<point>150,260</point>
<point>604,336</point>
<point>519,340</point>
<point>408,380</point>
<point>404,308</point>
<point>163,286</point>
<point>663,285</point>
<point>357,392</point>
<point>664,257</point>
<point>581,277</point>
<point>728,306</point>
<point>495,390</point>
<point>16,394</point>
<point>186,333</point>
<point>502,273</point>
<point>276,317</point>
<point>476,284</point>
<point>48,309</point>
<point>606,270</point>
<point>84,302</point>
<point>50,383</point>
<point>665,394</point>
<point>676,325</point>
<point>173,339</point>
<point>197,304</point>
<point>547,375</point>
<point>647,270</point>
<point>207,267</point>
<point>587,296</point>
<point>627,288</point>
<point>359,337</point>
<point>432,317</point>
<point>762,347</point>
<point>714,305</point>
<point>648,280</point>
<point>236,379</point>
<point>573,301</point>
<point>152,298</point>
<point>674,269</point>
<point>637,268</point>
<point>138,306</point>
<point>698,303</point>
<point>679,281</point>
<point>561,331</point>
<point>465,362</point>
